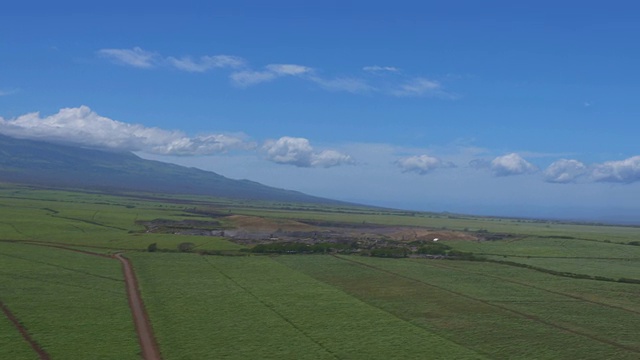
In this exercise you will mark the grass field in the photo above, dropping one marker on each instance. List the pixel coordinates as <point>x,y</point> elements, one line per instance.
<point>489,315</point>
<point>74,305</point>
<point>242,306</point>
<point>12,345</point>
<point>308,306</point>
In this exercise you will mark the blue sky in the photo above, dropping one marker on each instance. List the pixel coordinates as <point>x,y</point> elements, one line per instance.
<point>493,107</point>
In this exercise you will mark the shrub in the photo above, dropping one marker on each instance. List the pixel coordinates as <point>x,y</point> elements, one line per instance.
<point>186,246</point>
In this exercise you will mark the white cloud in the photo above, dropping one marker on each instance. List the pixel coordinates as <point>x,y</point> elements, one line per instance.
<point>300,153</point>
<point>206,63</point>
<point>244,76</point>
<point>564,171</point>
<point>81,126</point>
<point>511,164</point>
<point>140,58</point>
<point>249,78</point>
<point>273,71</point>
<point>288,69</point>
<point>377,69</point>
<point>350,85</point>
<point>330,158</point>
<point>135,57</point>
<point>417,87</point>
<point>622,171</point>
<point>421,164</point>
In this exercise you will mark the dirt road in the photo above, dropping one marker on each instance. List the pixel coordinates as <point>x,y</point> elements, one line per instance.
<point>25,334</point>
<point>150,350</point>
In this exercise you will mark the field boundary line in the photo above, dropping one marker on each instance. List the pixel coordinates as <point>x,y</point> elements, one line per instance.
<point>576,297</point>
<point>57,283</point>
<point>62,267</point>
<point>88,222</point>
<point>559,257</point>
<point>519,313</point>
<point>272,309</point>
<point>432,332</point>
<point>66,246</point>
<point>42,354</point>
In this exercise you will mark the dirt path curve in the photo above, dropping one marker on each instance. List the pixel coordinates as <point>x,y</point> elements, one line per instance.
<point>150,350</point>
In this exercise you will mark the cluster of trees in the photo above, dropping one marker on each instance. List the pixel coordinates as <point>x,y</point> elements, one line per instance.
<point>434,249</point>
<point>401,250</point>
<point>301,248</point>
<point>182,247</point>
<point>389,252</point>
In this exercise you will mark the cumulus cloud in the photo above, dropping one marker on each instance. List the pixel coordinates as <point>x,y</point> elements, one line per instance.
<point>300,153</point>
<point>422,164</point>
<point>206,63</point>
<point>511,164</point>
<point>564,171</point>
<point>622,171</point>
<point>82,126</point>
<point>135,57</point>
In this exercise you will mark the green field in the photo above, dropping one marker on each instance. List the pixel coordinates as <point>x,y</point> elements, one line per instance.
<point>550,291</point>
<point>72,304</point>
<point>242,306</point>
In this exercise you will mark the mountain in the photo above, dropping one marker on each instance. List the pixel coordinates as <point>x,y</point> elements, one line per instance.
<point>48,164</point>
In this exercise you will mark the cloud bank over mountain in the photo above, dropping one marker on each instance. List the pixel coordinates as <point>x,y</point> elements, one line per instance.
<point>84,127</point>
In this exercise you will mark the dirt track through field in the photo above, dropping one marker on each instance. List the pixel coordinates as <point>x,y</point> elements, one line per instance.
<point>146,339</point>
<point>25,334</point>
<point>150,350</point>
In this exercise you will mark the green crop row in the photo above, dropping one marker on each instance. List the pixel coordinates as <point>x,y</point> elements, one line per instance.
<point>74,305</point>
<point>243,307</point>
<point>489,315</point>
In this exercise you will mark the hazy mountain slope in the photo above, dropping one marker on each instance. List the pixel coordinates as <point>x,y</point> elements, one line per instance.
<point>41,163</point>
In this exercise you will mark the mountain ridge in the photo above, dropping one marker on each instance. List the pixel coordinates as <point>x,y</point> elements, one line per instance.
<point>35,162</point>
